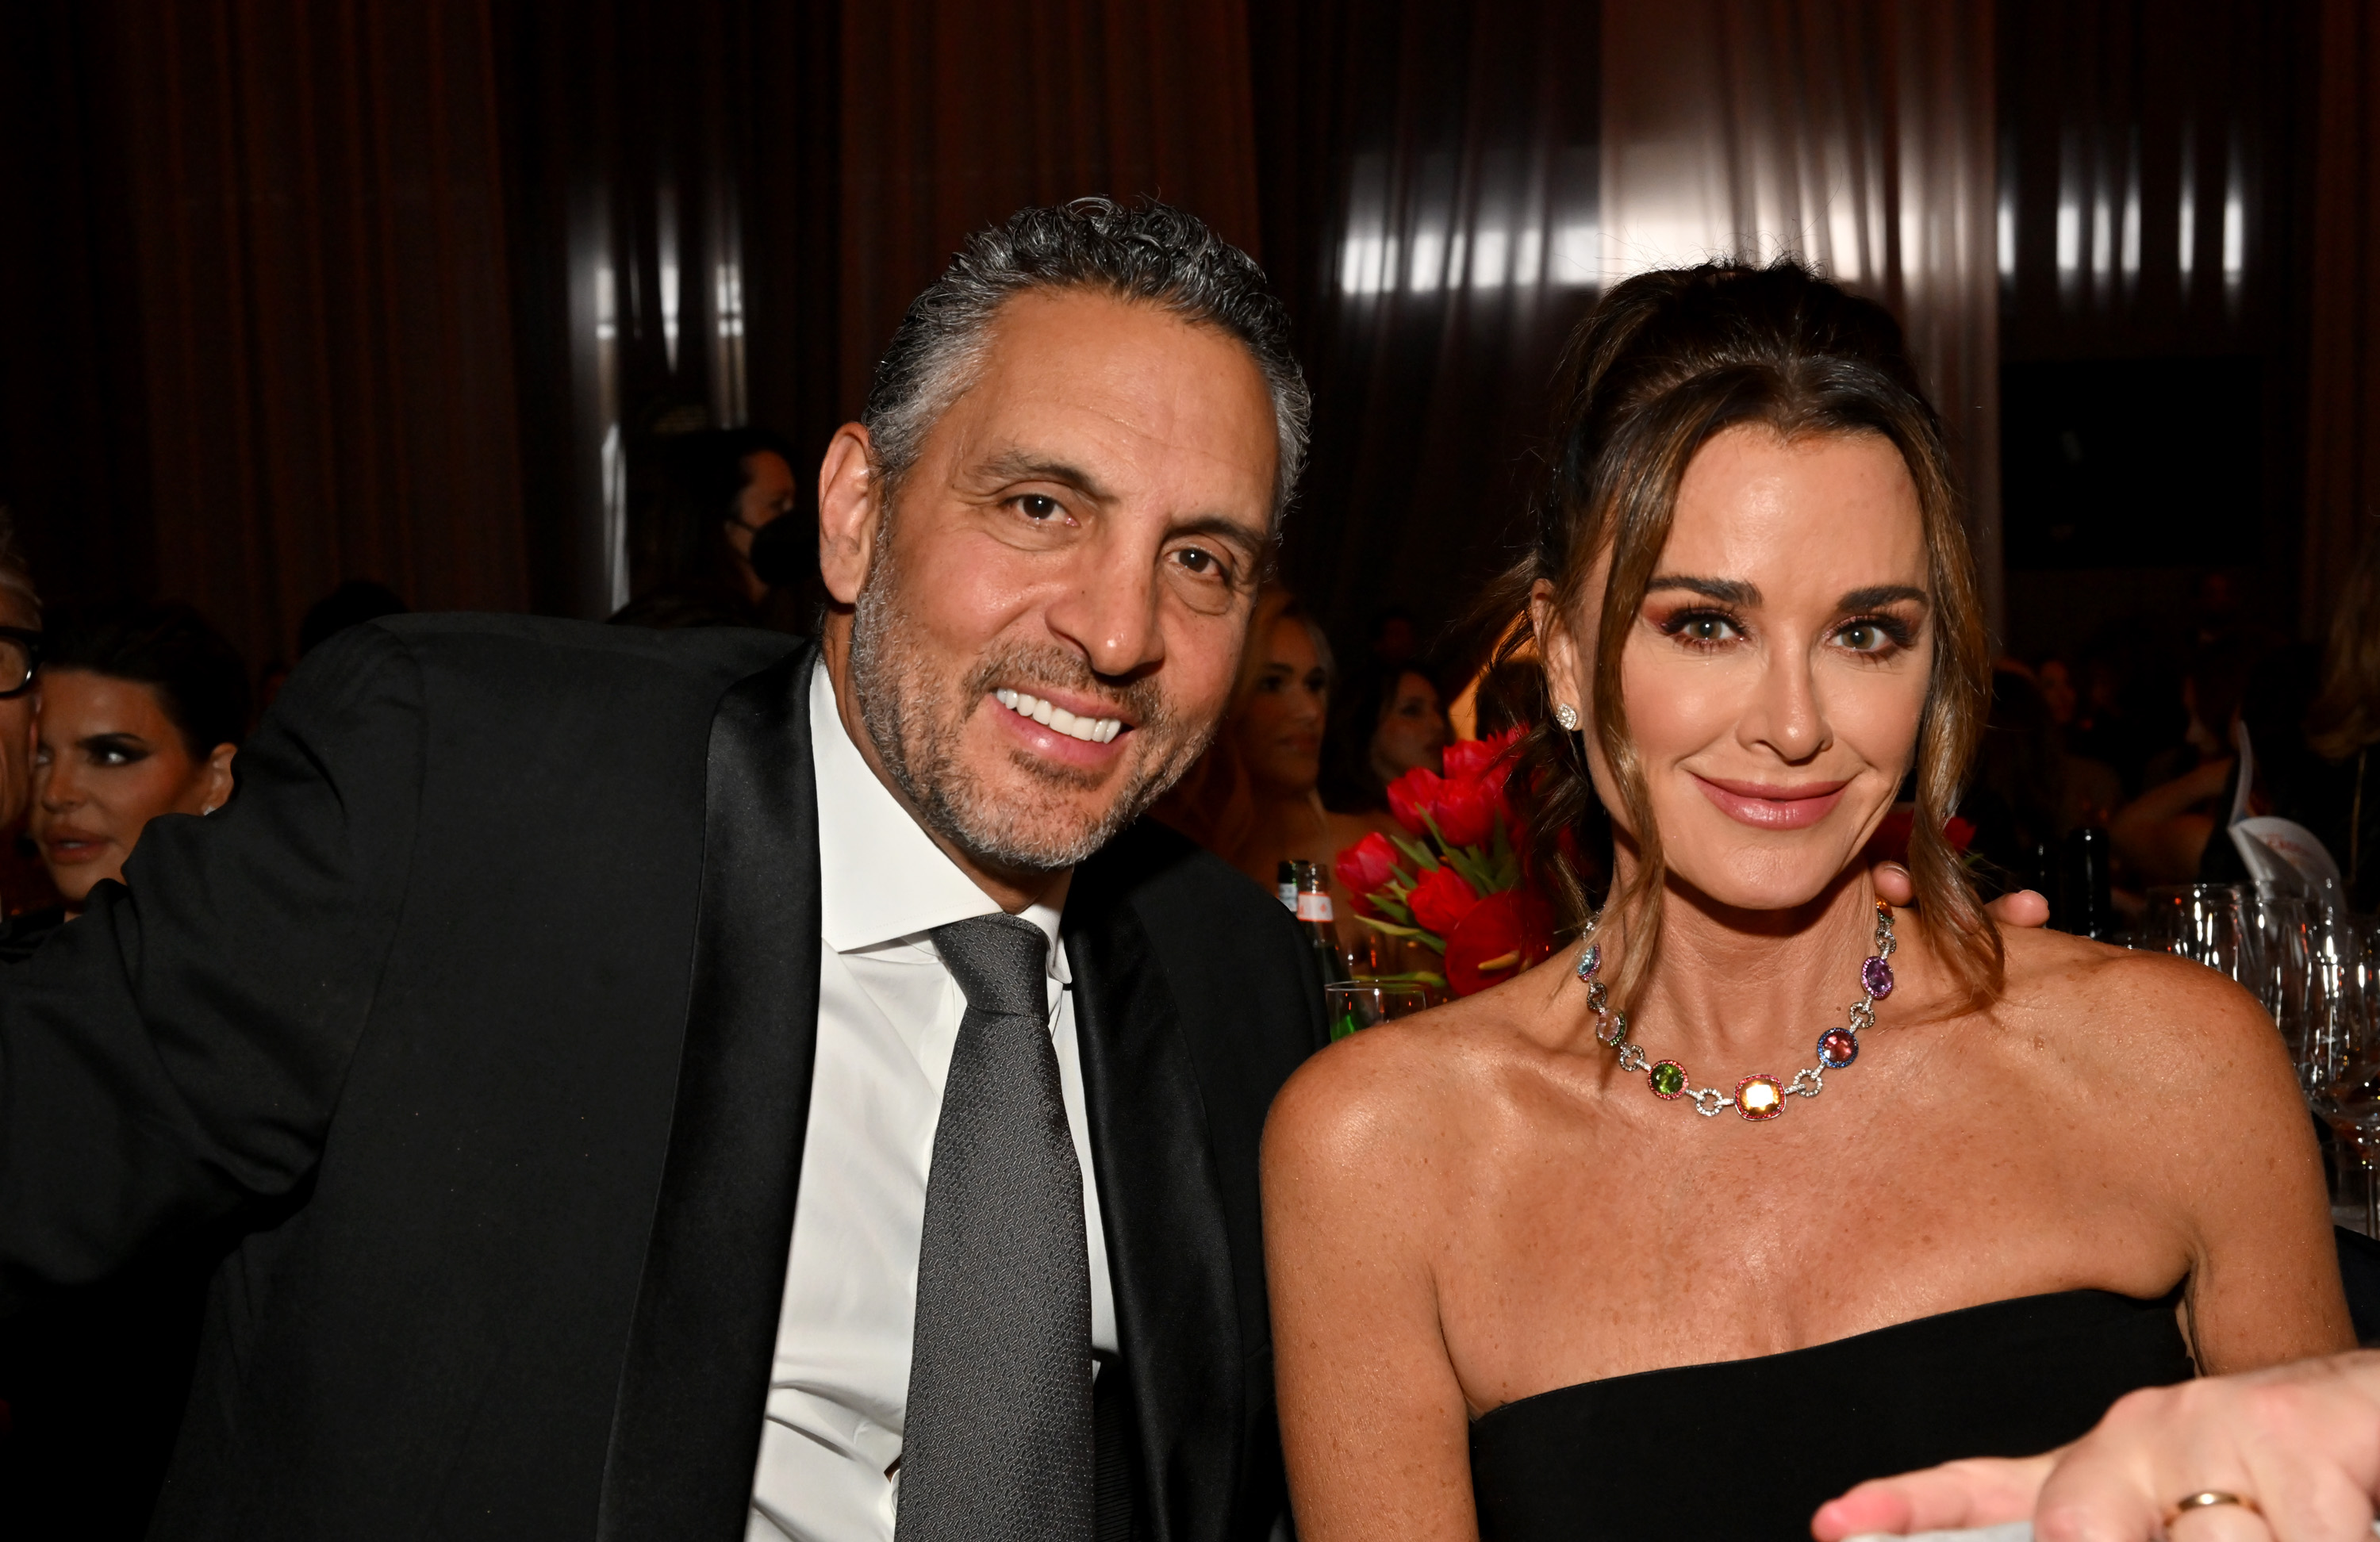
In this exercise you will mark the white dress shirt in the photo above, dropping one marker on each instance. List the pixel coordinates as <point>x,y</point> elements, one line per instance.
<point>888,1021</point>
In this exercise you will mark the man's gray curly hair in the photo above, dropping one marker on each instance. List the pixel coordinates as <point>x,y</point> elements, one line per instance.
<point>1153,253</point>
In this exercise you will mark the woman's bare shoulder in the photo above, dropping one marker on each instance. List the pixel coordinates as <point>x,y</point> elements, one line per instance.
<point>1403,1093</point>
<point>2153,1009</point>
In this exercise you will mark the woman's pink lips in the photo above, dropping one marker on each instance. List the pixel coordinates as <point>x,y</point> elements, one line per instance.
<point>1773,808</point>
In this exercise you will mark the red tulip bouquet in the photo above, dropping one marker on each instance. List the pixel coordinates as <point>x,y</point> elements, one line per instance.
<point>1452,880</point>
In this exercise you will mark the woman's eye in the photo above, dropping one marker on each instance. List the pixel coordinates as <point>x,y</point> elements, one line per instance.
<point>1866,637</point>
<point>1704,627</point>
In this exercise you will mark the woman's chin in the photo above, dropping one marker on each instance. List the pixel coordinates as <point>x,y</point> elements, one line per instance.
<point>1765,885</point>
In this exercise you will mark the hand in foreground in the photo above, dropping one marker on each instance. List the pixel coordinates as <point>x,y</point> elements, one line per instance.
<point>2300,1442</point>
<point>2026,907</point>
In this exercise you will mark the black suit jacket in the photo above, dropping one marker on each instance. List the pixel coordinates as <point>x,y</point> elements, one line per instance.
<point>483,1020</point>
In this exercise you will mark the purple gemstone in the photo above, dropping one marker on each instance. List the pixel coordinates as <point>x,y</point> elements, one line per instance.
<point>1837,1049</point>
<point>1875,976</point>
<point>1590,961</point>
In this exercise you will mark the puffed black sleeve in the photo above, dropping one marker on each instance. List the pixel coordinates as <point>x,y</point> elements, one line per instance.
<point>176,1052</point>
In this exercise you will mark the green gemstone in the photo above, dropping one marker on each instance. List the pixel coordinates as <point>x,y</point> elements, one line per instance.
<point>1669,1078</point>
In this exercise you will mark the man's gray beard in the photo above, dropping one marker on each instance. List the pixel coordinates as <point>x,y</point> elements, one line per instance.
<point>917,730</point>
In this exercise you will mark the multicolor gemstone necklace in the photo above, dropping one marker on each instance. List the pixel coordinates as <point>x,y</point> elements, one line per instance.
<point>1755,1098</point>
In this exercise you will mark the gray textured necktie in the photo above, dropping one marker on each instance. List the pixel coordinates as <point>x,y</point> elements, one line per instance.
<point>997,1446</point>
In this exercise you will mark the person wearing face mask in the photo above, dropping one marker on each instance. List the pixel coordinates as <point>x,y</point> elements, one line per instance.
<point>723,542</point>
<point>1254,798</point>
<point>1588,1256</point>
<point>142,711</point>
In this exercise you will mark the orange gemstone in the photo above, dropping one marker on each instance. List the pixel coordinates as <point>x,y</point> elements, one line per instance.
<point>1759,1097</point>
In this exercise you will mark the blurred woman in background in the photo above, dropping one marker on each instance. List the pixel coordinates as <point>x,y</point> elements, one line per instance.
<point>142,710</point>
<point>1254,797</point>
<point>1394,723</point>
<point>2343,726</point>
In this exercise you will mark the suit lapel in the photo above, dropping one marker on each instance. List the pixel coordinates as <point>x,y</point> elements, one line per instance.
<point>686,1430</point>
<point>1168,1255</point>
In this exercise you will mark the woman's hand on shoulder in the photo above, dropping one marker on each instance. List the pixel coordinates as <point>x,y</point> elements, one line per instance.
<point>1362,1156</point>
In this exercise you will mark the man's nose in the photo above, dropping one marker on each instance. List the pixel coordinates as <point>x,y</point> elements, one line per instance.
<point>1110,610</point>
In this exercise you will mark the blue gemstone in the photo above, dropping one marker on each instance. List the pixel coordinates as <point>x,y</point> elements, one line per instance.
<point>1590,961</point>
<point>1837,1048</point>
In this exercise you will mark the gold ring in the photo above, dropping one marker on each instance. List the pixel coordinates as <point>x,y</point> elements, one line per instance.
<point>2208,1498</point>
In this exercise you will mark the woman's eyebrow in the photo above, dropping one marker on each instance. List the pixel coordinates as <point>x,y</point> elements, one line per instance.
<point>1727,591</point>
<point>1877,596</point>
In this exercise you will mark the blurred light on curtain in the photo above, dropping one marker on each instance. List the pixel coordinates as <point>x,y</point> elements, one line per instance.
<point>2343,395</point>
<point>1857,135</point>
<point>1433,220</point>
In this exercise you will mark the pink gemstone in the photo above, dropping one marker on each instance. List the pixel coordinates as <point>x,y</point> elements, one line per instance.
<point>1876,974</point>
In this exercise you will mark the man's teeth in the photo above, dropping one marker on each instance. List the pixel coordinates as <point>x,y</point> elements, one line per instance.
<point>1097,731</point>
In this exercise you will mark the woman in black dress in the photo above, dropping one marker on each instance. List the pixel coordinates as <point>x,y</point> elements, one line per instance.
<point>1521,1290</point>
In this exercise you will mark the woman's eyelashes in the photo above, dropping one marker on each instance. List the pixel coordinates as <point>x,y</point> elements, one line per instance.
<point>1877,636</point>
<point>1705,629</point>
<point>1702,629</point>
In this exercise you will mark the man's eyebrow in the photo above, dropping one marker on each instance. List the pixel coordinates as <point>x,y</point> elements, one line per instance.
<point>1021,466</point>
<point>1877,596</point>
<point>1727,591</point>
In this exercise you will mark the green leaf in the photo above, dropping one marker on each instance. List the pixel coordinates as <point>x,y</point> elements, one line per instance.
<point>1416,850</point>
<point>1391,928</point>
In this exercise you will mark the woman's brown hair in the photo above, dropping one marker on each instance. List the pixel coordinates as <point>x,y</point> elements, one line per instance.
<point>1665,362</point>
<point>2345,718</point>
<point>1214,803</point>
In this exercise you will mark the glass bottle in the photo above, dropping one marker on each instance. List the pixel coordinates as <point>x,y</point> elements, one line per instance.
<point>1315,919</point>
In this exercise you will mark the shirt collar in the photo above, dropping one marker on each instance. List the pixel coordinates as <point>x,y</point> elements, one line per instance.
<point>882,878</point>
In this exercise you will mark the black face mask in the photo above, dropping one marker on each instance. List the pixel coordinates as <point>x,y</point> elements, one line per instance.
<point>785,551</point>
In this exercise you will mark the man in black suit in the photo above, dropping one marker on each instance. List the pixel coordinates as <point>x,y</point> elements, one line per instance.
<point>630,1071</point>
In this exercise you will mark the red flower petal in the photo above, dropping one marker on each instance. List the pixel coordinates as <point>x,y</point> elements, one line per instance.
<point>1441,900</point>
<point>1414,795</point>
<point>1511,929</point>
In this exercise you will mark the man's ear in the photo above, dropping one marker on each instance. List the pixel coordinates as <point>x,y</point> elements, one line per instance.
<point>1565,675</point>
<point>848,513</point>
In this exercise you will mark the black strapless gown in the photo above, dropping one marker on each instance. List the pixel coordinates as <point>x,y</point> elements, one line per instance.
<point>1742,1450</point>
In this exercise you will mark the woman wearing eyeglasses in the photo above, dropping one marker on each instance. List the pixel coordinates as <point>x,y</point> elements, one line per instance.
<point>141,711</point>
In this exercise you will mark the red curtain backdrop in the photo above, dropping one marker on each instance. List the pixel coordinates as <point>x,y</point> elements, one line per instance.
<point>956,115</point>
<point>320,277</point>
<point>2343,395</point>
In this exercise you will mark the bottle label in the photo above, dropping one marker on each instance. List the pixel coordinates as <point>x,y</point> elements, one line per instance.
<point>1314,907</point>
<point>1288,893</point>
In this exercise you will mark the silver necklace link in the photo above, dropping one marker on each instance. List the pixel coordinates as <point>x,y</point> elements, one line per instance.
<point>1758,1097</point>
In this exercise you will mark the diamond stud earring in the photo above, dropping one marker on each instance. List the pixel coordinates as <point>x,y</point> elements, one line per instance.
<point>1566,715</point>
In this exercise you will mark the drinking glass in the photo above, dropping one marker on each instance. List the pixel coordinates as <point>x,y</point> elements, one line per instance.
<point>2275,969</point>
<point>1364,1003</point>
<point>2350,1106</point>
<point>2332,1007</point>
<point>2203,921</point>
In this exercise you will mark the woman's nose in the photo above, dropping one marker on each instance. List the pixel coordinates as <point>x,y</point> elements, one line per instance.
<point>55,787</point>
<point>1788,718</point>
